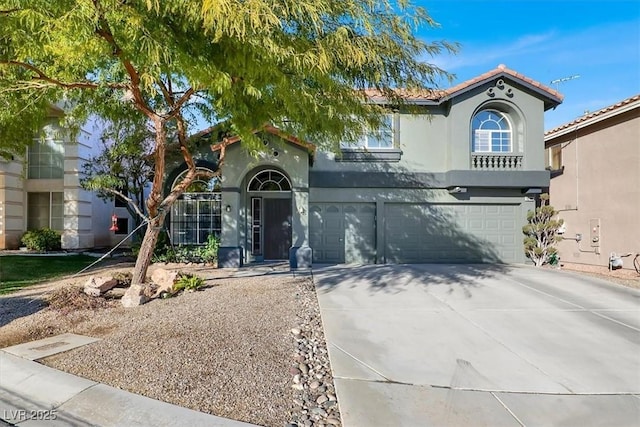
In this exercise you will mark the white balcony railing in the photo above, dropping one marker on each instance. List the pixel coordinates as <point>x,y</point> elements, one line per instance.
<point>493,161</point>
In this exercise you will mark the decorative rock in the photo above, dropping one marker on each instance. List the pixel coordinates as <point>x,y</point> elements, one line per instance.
<point>321,399</point>
<point>134,296</point>
<point>303,368</point>
<point>319,411</point>
<point>294,371</point>
<point>296,331</point>
<point>299,387</point>
<point>332,421</point>
<point>164,280</point>
<point>296,379</point>
<point>314,385</point>
<point>96,286</point>
<point>331,397</point>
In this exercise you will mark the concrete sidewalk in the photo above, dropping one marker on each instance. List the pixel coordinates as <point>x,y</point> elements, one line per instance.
<point>32,394</point>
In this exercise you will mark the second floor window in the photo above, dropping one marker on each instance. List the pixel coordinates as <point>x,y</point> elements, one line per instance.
<point>554,157</point>
<point>46,159</point>
<point>378,138</point>
<point>491,132</point>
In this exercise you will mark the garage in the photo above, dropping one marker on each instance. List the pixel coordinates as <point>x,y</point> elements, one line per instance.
<point>343,232</point>
<point>439,233</point>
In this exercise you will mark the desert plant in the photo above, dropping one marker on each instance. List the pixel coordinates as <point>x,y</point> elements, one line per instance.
<point>541,233</point>
<point>44,239</point>
<point>188,282</point>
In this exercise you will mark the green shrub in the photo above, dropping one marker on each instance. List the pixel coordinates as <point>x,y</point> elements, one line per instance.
<point>166,253</point>
<point>44,239</point>
<point>209,252</point>
<point>188,282</point>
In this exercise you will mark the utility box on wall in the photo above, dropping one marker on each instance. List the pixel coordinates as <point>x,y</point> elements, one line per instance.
<point>594,229</point>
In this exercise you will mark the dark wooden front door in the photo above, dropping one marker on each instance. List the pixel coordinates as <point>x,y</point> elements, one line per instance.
<point>277,228</point>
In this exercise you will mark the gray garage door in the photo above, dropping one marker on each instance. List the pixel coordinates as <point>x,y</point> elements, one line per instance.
<point>343,232</point>
<point>416,233</point>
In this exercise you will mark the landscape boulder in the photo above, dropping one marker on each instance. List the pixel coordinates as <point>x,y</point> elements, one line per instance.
<point>164,280</point>
<point>134,296</point>
<point>97,286</point>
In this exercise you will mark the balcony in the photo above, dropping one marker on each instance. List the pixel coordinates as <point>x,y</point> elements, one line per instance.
<point>493,161</point>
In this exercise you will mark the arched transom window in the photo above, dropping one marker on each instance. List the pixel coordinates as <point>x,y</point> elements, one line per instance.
<point>269,180</point>
<point>199,185</point>
<point>491,132</point>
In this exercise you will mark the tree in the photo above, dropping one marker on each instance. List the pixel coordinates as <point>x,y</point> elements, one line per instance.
<point>123,168</point>
<point>541,232</point>
<point>300,65</point>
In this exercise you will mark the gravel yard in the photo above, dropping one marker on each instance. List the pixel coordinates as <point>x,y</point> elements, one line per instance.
<point>227,350</point>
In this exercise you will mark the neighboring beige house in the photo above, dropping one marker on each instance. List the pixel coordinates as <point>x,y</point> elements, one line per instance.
<point>595,183</point>
<point>43,190</point>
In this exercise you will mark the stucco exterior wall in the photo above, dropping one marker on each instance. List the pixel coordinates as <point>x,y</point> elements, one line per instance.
<point>240,166</point>
<point>12,209</point>
<point>84,214</point>
<point>600,181</point>
<point>439,140</point>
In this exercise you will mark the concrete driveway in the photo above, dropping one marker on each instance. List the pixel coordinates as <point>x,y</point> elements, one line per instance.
<point>480,345</point>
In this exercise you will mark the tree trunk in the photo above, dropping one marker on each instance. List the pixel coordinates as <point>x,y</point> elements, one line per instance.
<point>146,249</point>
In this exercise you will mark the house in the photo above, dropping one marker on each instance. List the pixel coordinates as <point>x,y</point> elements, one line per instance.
<point>595,183</point>
<point>450,184</point>
<point>42,190</point>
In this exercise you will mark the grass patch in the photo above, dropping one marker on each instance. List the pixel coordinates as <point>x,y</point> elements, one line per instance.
<point>17,272</point>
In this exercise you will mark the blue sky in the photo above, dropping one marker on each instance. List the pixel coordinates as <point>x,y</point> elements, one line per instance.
<point>546,40</point>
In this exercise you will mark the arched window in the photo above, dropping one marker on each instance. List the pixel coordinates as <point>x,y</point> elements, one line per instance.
<point>269,180</point>
<point>491,132</point>
<point>197,212</point>
<point>199,185</point>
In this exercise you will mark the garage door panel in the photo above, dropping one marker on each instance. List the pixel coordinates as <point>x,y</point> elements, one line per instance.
<point>344,232</point>
<point>451,233</point>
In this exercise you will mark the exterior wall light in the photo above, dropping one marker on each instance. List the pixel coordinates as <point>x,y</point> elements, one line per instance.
<point>227,208</point>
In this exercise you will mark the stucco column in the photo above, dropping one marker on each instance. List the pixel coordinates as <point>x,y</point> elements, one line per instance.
<point>229,232</point>
<point>300,254</point>
<point>300,220</point>
<point>230,253</point>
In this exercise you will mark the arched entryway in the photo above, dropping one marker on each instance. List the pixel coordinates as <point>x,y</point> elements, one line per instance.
<point>269,214</point>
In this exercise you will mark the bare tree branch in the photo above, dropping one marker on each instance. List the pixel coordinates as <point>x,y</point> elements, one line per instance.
<point>104,31</point>
<point>41,76</point>
<point>9,11</point>
<point>129,200</point>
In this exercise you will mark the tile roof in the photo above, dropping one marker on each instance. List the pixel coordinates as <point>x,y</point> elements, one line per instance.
<point>442,95</point>
<point>597,114</point>
<point>267,128</point>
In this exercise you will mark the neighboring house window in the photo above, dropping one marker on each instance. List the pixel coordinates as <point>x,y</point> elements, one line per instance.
<point>197,213</point>
<point>491,132</point>
<point>381,138</point>
<point>45,210</point>
<point>45,159</point>
<point>123,226</point>
<point>119,201</point>
<point>554,157</point>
